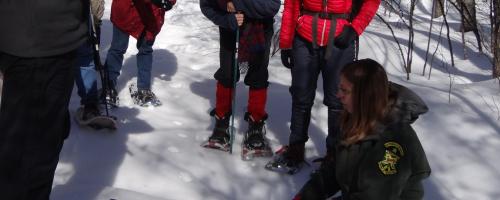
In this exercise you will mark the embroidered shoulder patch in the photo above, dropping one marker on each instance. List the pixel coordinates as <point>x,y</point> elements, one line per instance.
<point>393,152</point>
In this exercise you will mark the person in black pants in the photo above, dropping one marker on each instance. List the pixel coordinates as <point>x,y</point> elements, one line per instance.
<point>38,61</point>
<point>254,20</point>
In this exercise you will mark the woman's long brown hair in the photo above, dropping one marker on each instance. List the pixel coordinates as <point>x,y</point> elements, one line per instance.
<point>370,93</point>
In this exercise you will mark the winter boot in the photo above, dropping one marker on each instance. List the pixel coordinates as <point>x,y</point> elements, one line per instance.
<point>90,111</point>
<point>143,97</point>
<point>255,143</point>
<point>288,159</point>
<point>109,97</point>
<point>90,116</point>
<point>220,137</point>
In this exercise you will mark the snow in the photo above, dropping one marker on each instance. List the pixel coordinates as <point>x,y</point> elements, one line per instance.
<point>156,153</point>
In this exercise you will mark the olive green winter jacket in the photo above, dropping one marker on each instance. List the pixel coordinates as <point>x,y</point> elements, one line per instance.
<point>387,165</point>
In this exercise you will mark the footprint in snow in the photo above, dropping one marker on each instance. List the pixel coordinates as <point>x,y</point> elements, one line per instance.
<point>185,177</point>
<point>173,149</point>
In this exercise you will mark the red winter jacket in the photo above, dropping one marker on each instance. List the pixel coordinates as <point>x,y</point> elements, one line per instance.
<point>292,20</point>
<point>134,16</point>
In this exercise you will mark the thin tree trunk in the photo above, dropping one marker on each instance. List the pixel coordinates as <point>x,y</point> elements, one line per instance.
<point>495,36</point>
<point>397,42</point>
<point>447,34</point>
<point>463,35</point>
<point>467,10</point>
<point>468,15</point>
<point>410,37</point>
<point>439,11</point>
<point>429,37</point>
<point>435,50</point>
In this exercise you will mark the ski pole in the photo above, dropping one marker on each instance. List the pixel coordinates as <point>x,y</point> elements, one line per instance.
<point>97,59</point>
<point>233,96</point>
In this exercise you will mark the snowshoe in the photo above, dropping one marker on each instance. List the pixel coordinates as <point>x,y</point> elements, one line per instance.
<point>288,160</point>
<point>143,97</point>
<point>109,98</point>
<point>255,143</point>
<point>218,142</point>
<point>220,138</point>
<point>91,117</point>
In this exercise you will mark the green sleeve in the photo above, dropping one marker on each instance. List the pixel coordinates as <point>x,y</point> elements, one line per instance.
<point>322,185</point>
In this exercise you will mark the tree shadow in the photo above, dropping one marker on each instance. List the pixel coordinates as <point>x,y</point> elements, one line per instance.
<point>438,61</point>
<point>90,159</point>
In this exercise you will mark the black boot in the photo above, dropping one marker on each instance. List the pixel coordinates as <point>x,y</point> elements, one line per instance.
<point>109,97</point>
<point>145,98</point>
<point>255,143</point>
<point>255,135</point>
<point>220,134</point>
<point>294,154</point>
<point>289,159</point>
<point>90,111</point>
<point>220,138</point>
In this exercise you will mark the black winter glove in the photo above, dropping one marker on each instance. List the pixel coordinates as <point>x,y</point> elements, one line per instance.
<point>165,4</point>
<point>345,38</point>
<point>287,58</point>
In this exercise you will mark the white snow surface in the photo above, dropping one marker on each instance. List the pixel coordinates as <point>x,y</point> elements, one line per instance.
<point>156,153</point>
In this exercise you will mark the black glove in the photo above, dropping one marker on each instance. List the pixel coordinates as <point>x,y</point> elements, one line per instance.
<point>165,4</point>
<point>345,38</point>
<point>287,58</point>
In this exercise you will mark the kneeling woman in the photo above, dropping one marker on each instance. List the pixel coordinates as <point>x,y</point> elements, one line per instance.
<point>378,154</point>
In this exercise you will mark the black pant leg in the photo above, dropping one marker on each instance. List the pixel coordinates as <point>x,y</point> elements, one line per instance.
<point>34,120</point>
<point>305,74</point>
<point>225,72</point>
<point>258,75</point>
<point>331,79</point>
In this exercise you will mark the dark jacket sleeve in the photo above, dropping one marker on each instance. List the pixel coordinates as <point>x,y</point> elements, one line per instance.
<point>420,168</point>
<point>413,190</point>
<point>219,17</point>
<point>322,185</point>
<point>258,9</point>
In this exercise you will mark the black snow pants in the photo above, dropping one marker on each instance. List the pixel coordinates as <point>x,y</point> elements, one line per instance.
<point>34,121</point>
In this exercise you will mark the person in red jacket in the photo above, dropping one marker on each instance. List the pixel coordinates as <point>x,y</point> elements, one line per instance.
<point>141,19</point>
<point>317,36</point>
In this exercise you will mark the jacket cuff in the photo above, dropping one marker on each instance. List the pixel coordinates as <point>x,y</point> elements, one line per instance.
<point>357,29</point>
<point>233,24</point>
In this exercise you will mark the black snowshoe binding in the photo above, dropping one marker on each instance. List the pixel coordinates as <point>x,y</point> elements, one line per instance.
<point>89,115</point>
<point>255,143</point>
<point>143,97</point>
<point>220,138</point>
<point>288,159</point>
<point>109,98</point>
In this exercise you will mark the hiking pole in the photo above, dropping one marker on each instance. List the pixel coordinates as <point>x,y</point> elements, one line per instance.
<point>233,94</point>
<point>97,59</point>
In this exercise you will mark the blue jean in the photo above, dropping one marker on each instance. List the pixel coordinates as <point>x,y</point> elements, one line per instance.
<point>308,64</point>
<point>114,59</point>
<point>86,77</point>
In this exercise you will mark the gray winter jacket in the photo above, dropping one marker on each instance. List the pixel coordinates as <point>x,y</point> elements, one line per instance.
<point>32,28</point>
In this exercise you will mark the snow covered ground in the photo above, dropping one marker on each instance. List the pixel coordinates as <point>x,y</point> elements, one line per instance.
<point>156,152</point>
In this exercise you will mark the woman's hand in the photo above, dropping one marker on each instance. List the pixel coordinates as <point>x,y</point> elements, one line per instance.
<point>230,7</point>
